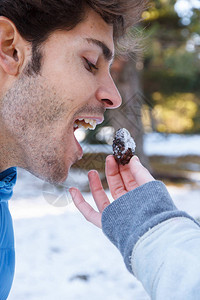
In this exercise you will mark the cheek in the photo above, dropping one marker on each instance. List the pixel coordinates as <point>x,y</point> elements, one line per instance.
<point>31,107</point>
<point>72,81</point>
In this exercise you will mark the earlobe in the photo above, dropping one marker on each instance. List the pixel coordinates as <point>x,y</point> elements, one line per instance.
<point>9,47</point>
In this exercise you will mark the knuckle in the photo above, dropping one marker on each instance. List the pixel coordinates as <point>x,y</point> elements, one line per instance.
<point>118,191</point>
<point>96,190</point>
<point>130,183</point>
<point>88,215</point>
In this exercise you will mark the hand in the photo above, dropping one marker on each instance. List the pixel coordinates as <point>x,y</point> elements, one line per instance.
<point>121,179</point>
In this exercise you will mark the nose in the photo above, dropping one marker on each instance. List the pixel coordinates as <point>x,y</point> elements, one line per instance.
<point>108,93</point>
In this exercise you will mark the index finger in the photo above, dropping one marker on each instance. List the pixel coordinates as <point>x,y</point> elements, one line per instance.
<point>85,208</point>
<point>97,190</point>
<point>115,181</point>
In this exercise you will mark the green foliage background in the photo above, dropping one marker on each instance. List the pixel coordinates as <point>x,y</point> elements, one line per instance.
<point>171,68</point>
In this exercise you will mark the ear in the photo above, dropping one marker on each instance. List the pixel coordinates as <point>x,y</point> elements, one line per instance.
<point>11,47</point>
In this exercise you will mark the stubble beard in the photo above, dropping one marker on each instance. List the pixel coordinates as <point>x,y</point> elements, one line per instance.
<point>30,122</point>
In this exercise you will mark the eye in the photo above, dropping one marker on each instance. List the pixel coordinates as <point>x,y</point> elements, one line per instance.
<point>90,66</point>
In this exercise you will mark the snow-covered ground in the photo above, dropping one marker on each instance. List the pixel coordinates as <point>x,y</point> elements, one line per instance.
<point>59,255</point>
<point>172,144</point>
<point>160,144</point>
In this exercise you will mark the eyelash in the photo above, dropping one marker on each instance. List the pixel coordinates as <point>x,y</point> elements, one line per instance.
<point>91,67</point>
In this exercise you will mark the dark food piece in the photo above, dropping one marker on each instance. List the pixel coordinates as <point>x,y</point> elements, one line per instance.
<point>123,146</point>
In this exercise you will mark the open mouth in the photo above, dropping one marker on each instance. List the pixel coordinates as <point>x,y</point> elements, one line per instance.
<point>85,123</point>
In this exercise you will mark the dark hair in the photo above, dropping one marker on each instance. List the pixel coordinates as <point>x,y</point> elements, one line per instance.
<point>37,19</point>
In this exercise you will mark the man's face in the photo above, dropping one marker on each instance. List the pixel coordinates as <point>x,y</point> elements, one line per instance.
<point>40,111</point>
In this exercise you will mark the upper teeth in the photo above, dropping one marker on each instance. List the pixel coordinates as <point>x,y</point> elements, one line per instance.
<point>85,123</point>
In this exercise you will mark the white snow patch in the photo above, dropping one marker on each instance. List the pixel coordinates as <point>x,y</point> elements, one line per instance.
<point>172,144</point>
<point>159,144</point>
<point>186,199</point>
<point>53,250</point>
<point>124,136</point>
<point>56,246</point>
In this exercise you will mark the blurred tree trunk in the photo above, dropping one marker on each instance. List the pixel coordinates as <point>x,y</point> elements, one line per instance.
<point>129,114</point>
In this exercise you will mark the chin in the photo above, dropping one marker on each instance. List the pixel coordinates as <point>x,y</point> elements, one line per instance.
<point>58,178</point>
<point>54,175</point>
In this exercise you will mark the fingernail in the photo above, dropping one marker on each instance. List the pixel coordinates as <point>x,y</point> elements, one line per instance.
<point>135,159</point>
<point>92,172</point>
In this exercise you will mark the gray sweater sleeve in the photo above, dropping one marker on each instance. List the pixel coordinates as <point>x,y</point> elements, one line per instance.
<point>129,217</point>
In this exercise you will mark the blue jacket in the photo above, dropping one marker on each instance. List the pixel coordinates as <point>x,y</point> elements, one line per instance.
<point>160,244</point>
<point>7,250</point>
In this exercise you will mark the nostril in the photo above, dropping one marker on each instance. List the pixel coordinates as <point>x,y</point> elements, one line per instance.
<point>107,101</point>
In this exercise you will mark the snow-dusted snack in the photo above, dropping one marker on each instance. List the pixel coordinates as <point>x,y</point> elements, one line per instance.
<point>123,146</point>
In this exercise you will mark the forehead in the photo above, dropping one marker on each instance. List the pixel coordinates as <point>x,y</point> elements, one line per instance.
<point>93,27</point>
<point>94,22</point>
<point>93,30</point>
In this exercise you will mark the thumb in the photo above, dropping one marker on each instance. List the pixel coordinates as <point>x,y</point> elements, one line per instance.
<point>139,172</point>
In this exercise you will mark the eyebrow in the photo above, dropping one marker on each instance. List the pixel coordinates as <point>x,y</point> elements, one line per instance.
<point>107,53</point>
